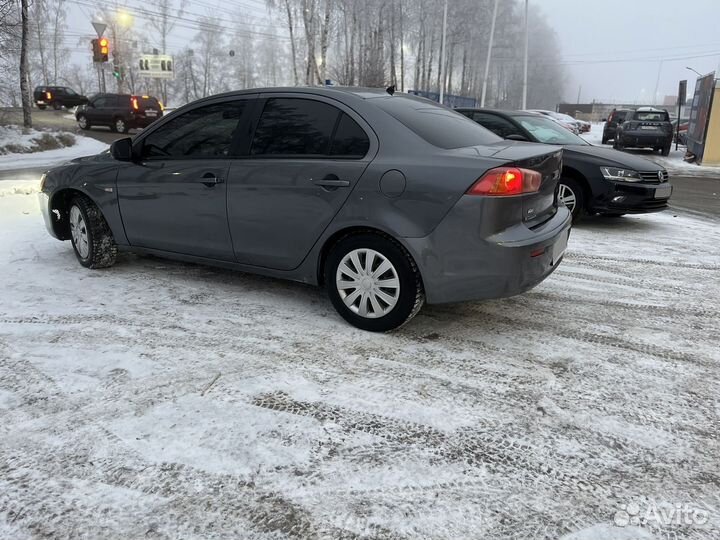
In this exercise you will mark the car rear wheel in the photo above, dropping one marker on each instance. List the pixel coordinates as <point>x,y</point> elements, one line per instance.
<point>570,193</point>
<point>90,234</point>
<point>83,122</point>
<point>42,107</point>
<point>604,140</point>
<point>57,106</point>
<point>666,150</point>
<point>373,282</point>
<point>120,126</point>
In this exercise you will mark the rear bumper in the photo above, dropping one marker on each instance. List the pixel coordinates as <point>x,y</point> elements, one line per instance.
<point>458,264</point>
<point>142,122</point>
<point>633,198</point>
<point>642,140</point>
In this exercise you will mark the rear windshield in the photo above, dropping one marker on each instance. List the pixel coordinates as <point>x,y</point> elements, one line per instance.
<point>651,116</point>
<point>148,102</point>
<point>618,115</point>
<point>438,125</point>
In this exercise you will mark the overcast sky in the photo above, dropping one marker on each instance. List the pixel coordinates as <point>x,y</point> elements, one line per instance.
<point>594,31</point>
<point>612,48</point>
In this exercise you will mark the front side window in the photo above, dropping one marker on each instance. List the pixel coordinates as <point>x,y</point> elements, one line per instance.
<point>294,127</point>
<point>205,132</point>
<point>100,102</point>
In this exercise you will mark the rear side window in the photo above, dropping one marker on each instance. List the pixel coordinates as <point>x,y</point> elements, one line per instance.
<point>294,127</point>
<point>437,125</point>
<point>205,132</point>
<point>498,125</point>
<point>651,116</point>
<point>350,140</point>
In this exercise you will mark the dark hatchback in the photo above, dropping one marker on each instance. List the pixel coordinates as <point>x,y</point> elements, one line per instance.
<point>617,117</point>
<point>119,112</point>
<point>594,179</point>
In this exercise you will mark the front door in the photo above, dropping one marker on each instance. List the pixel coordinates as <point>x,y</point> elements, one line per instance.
<point>304,159</point>
<point>174,197</point>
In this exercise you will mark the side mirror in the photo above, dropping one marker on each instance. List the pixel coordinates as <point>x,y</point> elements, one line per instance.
<point>516,137</point>
<point>121,149</point>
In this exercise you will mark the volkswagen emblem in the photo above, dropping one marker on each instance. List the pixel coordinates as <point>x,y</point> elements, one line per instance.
<point>661,176</point>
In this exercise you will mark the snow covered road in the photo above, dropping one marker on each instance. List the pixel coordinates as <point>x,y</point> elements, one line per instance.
<point>164,400</point>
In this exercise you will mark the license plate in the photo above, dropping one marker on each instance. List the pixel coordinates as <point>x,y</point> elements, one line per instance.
<point>653,128</point>
<point>559,248</point>
<point>150,113</point>
<point>41,103</point>
<point>663,192</point>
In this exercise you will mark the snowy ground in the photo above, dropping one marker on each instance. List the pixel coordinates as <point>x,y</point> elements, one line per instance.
<point>84,146</point>
<point>674,163</point>
<point>163,400</point>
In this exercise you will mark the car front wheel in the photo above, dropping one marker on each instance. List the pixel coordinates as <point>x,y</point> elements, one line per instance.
<point>120,126</point>
<point>570,193</point>
<point>373,282</point>
<point>83,122</point>
<point>90,234</point>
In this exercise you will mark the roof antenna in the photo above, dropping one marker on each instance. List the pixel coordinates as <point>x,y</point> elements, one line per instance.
<point>390,89</point>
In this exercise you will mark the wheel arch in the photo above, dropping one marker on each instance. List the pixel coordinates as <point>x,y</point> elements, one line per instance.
<point>338,235</point>
<point>60,210</point>
<point>570,172</point>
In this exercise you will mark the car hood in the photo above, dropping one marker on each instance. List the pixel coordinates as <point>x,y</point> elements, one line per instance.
<point>613,157</point>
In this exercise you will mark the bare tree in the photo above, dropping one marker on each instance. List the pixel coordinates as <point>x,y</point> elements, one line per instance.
<point>24,64</point>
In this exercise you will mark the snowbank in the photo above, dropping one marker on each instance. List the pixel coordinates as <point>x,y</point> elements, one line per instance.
<point>20,150</point>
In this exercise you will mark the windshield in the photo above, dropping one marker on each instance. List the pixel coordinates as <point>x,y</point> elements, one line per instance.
<point>549,132</point>
<point>438,125</point>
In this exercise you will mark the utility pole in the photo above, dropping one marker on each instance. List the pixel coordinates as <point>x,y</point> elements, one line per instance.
<point>525,63</point>
<point>657,83</point>
<point>442,54</point>
<point>489,54</point>
<point>579,93</point>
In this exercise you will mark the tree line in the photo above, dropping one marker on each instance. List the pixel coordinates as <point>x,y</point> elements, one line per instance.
<point>373,43</point>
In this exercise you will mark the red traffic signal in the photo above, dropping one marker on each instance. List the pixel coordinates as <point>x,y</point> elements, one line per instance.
<point>100,49</point>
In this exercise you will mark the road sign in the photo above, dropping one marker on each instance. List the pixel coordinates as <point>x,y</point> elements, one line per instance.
<point>99,28</point>
<point>682,93</point>
<point>157,66</point>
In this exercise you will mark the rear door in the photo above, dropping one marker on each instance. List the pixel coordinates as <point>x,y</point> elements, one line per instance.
<point>174,198</point>
<point>305,157</point>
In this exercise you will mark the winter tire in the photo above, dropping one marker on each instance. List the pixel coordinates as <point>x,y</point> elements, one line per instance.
<point>666,150</point>
<point>42,107</point>
<point>571,194</point>
<point>57,106</point>
<point>373,282</point>
<point>120,125</point>
<point>90,234</point>
<point>83,122</point>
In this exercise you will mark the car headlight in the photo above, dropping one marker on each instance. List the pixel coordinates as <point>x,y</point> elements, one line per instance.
<point>621,175</point>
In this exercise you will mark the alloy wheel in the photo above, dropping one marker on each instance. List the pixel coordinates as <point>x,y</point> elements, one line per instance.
<point>120,126</point>
<point>567,196</point>
<point>82,122</point>
<point>368,283</point>
<point>78,230</point>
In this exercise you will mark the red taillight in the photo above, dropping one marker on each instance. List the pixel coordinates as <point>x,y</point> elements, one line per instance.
<point>48,95</point>
<point>506,181</point>
<point>135,104</point>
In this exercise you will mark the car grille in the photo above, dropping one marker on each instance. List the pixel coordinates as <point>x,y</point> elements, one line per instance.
<point>652,177</point>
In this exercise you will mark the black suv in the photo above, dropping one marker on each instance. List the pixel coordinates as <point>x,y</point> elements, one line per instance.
<point>617,117</point>
<point>57,97</point>
<point>645,128</point>
<point>120,112</point>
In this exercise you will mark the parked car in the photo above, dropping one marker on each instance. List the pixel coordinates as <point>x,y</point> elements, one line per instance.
<point>616,117</point>
<point>646,128</point>
<point>594,179</point>
<point>585,127</point>
<point>566,121</point>
<point>57,97</point>
<point>119,112</point>
<point>387,200</point>
<point>680,136</point>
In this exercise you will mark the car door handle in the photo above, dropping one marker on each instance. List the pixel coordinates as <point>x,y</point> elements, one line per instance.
<point>210,180</point>
<point>331,182</point>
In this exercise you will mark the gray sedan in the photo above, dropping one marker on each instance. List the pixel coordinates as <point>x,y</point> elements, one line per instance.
<point>388,200</point>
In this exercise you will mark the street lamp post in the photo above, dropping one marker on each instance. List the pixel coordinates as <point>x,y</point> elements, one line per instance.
<point>525,63</point>
<point>695,71</point>
<point>489,54</point>
<point>442,54</point>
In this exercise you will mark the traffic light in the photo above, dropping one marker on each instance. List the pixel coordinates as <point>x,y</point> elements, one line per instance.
<point>104,49</point>
<point>100,49</point>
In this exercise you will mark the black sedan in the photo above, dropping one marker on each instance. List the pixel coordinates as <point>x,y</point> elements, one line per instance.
<point>594,179</point>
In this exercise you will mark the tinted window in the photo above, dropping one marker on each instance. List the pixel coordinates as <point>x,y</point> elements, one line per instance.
<point>294,127</point>
<point>438,125</point>
<point>546,131</point>
<point>652,116</point>
<point>205,132</point>
<point>100,102</point>
<point>497,124</point>
<point>349,140</point>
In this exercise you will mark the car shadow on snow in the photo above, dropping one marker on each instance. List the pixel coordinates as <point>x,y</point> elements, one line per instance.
<point>628,223</point>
